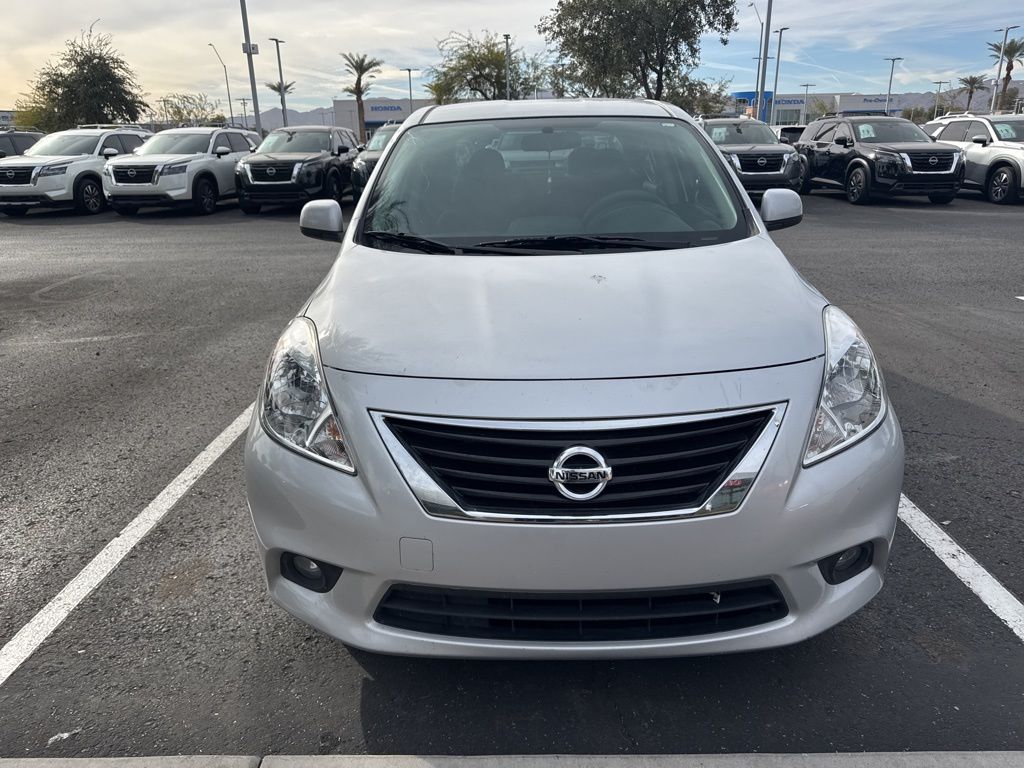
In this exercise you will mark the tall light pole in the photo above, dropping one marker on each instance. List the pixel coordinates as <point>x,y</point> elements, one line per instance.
<point>760,51</point>
<point>231,109</point>
<point>892,70</point>
<point>280,80</point>
<point>247,49</point>
<point>764,61</point>
<point>778,60</point>
<point>409,70</point>
<point>803,111</point>
<point>245,114</point>
<point>999,69</point>
<point>508,67</point>
<point>938,90</point>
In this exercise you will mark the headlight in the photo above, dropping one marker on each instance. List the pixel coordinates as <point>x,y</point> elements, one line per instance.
<point>174,170</point>
<point>887,164</point>
<point>106,171</point>
<point>54,170</point>
<point>239,167</point>
<point>359,164</point>
<point>295,408</point>
<point>735,160</point>
<point>852,403</point>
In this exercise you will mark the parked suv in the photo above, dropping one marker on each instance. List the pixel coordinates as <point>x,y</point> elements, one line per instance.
<point>295,165</point>
<point>757,155</point>
<point>14,142</point>
<point>993,147</point>
<point>367,160</point>
<point>181,166</point>
<point>871,156</point>
<point>64,169</point>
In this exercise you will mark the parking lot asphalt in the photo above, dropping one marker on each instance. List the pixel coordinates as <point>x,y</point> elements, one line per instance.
<point>127,345</point>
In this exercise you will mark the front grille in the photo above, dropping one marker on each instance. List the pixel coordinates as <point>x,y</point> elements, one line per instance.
<point>16,175</point>
<point>136,174</point>
<point>753,164</point>
<point>655,468</point>
<point>922,161</point>
<point>273,172</point>
<point>582,617</point>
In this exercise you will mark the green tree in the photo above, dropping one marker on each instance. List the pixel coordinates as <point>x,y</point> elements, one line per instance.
<point>603,44</point>
<point>474,68</point>
<point>364,69</point>
<point>1011,55</point>
<point>188,109</point>
<point>971,85</point>
<point>919,115</point>
<point>278,87</point>
<point>817,108</point>
<point>88,83</point>
<point>698,97</point>
<point>441,92</point>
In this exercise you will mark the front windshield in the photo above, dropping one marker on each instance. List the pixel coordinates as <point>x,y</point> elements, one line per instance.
<point>740,132</point>
<point>64,144</point>
<point>1009,129</point>
<point>885,131</point>
<point>296,141</point>
<point>649,180</point>
<point>380,139</point>
<point>175,144</point>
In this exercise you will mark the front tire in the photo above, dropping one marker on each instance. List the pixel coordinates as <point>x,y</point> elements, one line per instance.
<point>804,185</point>
<point>858,187</point>
<point>89,197</point>
<point>1002,186</point>
<point>204,197</point>
<point>941,199</point>
<point>333,189</point>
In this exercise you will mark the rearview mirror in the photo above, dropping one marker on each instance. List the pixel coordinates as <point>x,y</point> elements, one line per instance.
<point>781,208</point>
<point>222,150</point>
<point>983,140</point>
<point>322,220</point>
<point>110,152</point>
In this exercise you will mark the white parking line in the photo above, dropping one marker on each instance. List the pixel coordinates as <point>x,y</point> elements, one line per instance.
<point>53,614</point>
<point>982,583</point>
<point>1021,298</point>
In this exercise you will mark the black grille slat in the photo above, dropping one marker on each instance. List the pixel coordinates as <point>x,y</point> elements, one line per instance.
<point>921,161</point>
<point>752,164</point>
<point>282,172</point>
<point>655,468</point>
<point>587,617</point>
<point>16,175</point>
<point>143,174</point>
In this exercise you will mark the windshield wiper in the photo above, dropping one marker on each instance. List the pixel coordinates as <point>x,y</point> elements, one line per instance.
<point>582,243</point>
<point>411,241</point>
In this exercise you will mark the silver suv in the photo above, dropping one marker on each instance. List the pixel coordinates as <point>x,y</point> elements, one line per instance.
<point>993,148</point>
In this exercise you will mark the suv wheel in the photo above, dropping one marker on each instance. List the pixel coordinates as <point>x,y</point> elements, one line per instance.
<point>204,197</point>
<point>857,189</point>
<point>1002,186</point>
<point>89,196</point>
<point>804,184</point>
<point>333,190</point>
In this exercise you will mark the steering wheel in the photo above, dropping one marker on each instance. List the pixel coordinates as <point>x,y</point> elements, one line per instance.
<point>622,199</point>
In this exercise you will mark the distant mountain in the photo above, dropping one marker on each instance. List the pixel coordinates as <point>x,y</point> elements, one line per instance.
<point>271,119</point>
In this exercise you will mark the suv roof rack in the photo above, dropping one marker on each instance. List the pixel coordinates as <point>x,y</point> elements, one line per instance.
<point>109,126</point>
<point>20,128</point>
<point>857,113</point>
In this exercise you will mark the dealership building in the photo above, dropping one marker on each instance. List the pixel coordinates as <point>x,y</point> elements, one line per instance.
<point>790,108</point>
<point>377,112</point>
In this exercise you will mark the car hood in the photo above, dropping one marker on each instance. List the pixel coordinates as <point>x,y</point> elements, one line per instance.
<point>913,146</point>
<point>767,149</point>
<point>591,316</point>
<point>28,160</point>
<point>284,157</point>
<point>153,159</point>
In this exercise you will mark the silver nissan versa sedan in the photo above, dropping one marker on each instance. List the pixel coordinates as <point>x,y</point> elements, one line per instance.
<point>578,405</point>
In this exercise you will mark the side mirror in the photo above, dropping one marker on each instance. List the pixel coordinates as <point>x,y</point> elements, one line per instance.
<point>221,151</point>
<point>2,154</point>
<point>983,140</point>
<point>342,150</point>
<point>110,152</point>
<point>322,220</point>
<point>781,208</point>
<point>784,140</point>
<point>842,141</point>
<point>361,147</point>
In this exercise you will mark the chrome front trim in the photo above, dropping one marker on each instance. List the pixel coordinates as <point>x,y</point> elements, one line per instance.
<point>908,163</point>
<point>728,497</point>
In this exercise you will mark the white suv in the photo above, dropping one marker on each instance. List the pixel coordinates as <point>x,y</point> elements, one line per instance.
<point>993,147</point>
<point>63,169</point>
<point>193,166</point>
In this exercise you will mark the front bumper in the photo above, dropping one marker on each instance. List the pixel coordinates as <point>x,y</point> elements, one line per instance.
<point>47,192</point>
<point>167,191</point>
<point>276,193</point>
<point>920,184</point>
<point>787,178</point>
<point>791,519</point>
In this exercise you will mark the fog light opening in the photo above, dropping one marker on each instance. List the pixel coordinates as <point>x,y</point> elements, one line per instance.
<point>314,575</point>
<point>845,565</point>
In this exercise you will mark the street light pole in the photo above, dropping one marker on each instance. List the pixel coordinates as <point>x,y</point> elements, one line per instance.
<point>767,25</point>
<point>508,68</point>
<point>231,109</point>
<point>252,70</point>
<point>803,110</point>
<point>760,51</point>
<point>938,90</point>
<point>778,60</point>
<point>409,70</point>
<point>280,80</point>
<point>999,69</point>
<point>892,70</point>
<point>245,114</point>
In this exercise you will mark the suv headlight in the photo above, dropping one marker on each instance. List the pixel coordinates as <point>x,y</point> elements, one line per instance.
<point>852,402</point>
<point>888,164</point>
<point>54,170</point>
<point>174,170</point>
<point>294,407</point>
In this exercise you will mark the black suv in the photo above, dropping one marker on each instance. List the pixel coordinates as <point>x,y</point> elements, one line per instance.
<point>14,141</point>
<point>871,156</point>
<point>367,161</point>
<point>295,165</point>
<point>757,155</point>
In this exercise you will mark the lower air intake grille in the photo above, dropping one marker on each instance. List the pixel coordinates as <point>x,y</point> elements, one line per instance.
<point>584,617</point>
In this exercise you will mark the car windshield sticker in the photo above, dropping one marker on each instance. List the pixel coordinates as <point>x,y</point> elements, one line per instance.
<point>866,130</point>
<point>718,133</point>
<point>1005,131</point>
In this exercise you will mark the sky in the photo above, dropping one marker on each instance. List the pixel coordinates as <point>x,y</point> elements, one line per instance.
<point>836,45</point>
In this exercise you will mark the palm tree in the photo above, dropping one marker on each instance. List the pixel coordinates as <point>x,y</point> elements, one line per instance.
<point>363,68</point>
<point>972,84</point>
<point>278,87</point>
<point>1012,54</point>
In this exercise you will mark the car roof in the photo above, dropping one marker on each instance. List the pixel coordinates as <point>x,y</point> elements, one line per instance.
<point>495,110</point>
<point>735,120</point>
<point>198,130</point>
<point>304,128</point>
